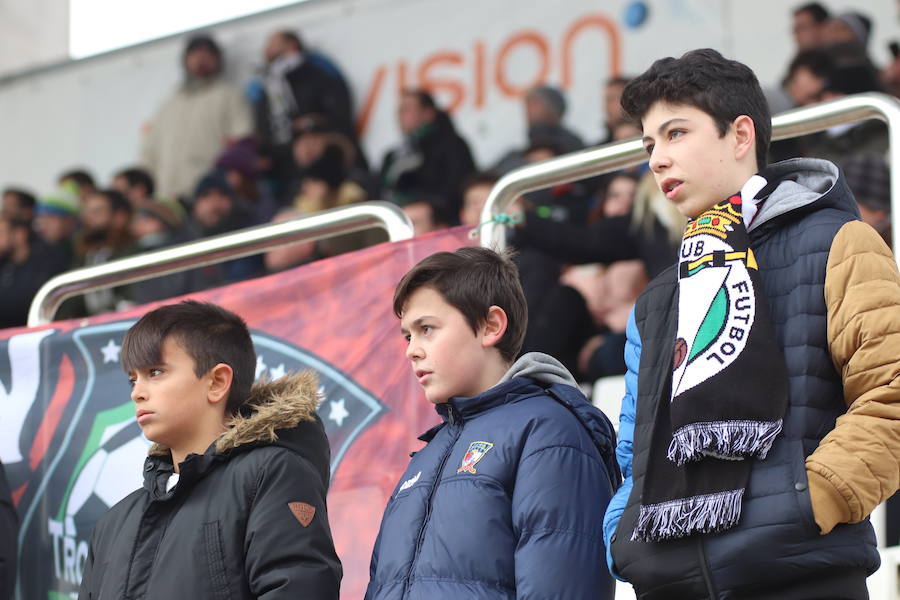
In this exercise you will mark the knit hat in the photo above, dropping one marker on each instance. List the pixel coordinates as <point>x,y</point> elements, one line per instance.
<point>214,180</point>
<point>241,157</point>
<point>551,97</point>
<point>168,212</point>
<point>859,24</point>
<point>62,202</point>
<point>869,178</point>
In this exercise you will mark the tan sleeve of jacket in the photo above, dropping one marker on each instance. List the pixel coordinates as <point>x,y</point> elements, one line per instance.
<point>857,465</point>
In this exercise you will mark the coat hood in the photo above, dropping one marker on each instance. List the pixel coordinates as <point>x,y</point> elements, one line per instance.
<point>801,185</point>
<point>280,412</point>
<point>540,367</point>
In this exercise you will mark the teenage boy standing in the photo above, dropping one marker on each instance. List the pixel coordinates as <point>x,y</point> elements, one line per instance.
<point>233,503</point>
<point>759,427</point>
<point>506,498</point>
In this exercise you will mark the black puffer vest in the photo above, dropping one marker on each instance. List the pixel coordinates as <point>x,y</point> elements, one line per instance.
<point>776,551</point>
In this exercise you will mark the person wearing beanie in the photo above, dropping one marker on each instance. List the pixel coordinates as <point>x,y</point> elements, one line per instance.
<point>239,161</point>
<point>850,26</point>
<point>191,127</point>
<point>56,218</point>
<point>544,109</point>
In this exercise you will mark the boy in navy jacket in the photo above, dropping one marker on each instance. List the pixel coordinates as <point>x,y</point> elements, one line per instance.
<point>506,499</point>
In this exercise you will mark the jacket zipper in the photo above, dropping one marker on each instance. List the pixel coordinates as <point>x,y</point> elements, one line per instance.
<point>451,419</point>
<point>704,568</point>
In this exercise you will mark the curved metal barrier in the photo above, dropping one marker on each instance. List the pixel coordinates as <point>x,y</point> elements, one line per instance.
<point>596,161</point>
<point>208,251</point>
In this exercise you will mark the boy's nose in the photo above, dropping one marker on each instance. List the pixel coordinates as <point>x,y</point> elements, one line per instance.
<point>413,351</point>
<point>659,160</point>
<point>137,393</point>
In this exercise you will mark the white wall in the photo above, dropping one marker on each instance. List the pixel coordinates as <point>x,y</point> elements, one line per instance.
<point>90,112</point>
<point>33,33</point>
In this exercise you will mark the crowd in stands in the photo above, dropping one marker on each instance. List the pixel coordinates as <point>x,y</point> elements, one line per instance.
<point>217,158</point>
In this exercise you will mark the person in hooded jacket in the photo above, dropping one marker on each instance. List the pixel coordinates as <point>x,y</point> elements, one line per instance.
<point>233,502</point>
<point>506,498</point>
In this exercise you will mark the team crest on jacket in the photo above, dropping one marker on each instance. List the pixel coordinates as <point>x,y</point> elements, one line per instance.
<point>716,300</point>
<point>475,453</point>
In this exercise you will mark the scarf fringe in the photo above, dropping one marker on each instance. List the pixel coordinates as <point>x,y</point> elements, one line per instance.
<point>696,514</point>
<point>729,440</point>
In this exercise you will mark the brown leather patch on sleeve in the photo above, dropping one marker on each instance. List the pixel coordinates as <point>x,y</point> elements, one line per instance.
<point>303,511</point>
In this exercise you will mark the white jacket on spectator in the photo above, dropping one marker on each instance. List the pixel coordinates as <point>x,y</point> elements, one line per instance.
<point>190,129</point>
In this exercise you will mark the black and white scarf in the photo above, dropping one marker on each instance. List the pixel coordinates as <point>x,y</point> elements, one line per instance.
<point>728,390</point>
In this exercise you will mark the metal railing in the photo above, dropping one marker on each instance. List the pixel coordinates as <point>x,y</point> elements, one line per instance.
<point>208,251</point>
<point>596,161</point>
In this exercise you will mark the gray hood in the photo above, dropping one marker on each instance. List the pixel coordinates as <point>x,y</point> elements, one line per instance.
<point>798,183</point>
<point>540,367</point>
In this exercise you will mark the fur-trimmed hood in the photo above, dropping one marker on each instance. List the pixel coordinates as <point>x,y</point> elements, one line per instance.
<point>280,412</point>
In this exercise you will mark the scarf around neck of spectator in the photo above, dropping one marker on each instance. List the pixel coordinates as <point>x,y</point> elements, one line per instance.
<point>727,393</point>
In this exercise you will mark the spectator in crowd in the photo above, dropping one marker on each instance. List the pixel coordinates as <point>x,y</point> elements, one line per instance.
<point>156,225</point>
<point>297,83</point>
<point>423,218</point>
<point>544,110</point>
<point>9,538</point>
<point>869,178</point>
<point>239,163</point>
<point>568,202</point>
<point>805,79</point>
<point>290,255</point>
<point>25,266</point>
<point>613,116</point>
<point>842,141</point>
<point>432,160</point>
<point>311,135</point>
<point>216,210</point>
<point>18,204</point>
<point>191,127</point>
<point>849,28</point>
<point>890,74</point>
<point>475,191</point>
<point>56,219</point>
<point>80,181</point>
<point>136,184</point>
<point>326,185</point>
<point>104,236</point>
<point>809,25</point>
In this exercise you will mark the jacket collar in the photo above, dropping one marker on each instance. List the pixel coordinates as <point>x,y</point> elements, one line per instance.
<point>460,409</point>
<point>273,407</point>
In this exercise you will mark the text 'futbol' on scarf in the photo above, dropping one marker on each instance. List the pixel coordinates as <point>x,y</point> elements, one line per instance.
<point>728,390</point>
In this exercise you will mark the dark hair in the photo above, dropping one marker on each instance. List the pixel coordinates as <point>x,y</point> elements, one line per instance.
<point>24,198</point>
<point>818,61</point>
<point>852,79</point>
<point>426,100</point>
<point>117,201</point>
<point>208,333</point>
<point>17,223</point>
<point>138,176</point>
<point>79,176</point>
<point>618,80</point>
<point>818,12</point>
<point>724,89</point>
<point>292,38</point>
<point>479,178</point>
<point>471,280</point>
<point>203,41</point>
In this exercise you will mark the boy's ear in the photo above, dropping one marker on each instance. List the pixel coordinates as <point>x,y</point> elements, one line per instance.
<point>220,378</point>
<point>494,327</point>
<point>745,137</point>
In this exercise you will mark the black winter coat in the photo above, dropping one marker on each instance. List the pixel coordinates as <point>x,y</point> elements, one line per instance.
<point>247,518</point>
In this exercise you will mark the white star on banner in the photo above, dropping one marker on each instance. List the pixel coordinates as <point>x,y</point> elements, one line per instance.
<point>260,366</point>
<point>338,412</point>
<point>277,372</point>
<point>110,352</point>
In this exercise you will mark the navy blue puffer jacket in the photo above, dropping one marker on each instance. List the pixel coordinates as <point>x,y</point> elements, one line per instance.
<point>506,500</point>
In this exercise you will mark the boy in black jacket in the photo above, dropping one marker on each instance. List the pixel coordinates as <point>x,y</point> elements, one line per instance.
<point>233,503</point>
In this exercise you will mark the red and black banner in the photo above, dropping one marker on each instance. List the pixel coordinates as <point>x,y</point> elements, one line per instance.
<point>72,447</point>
